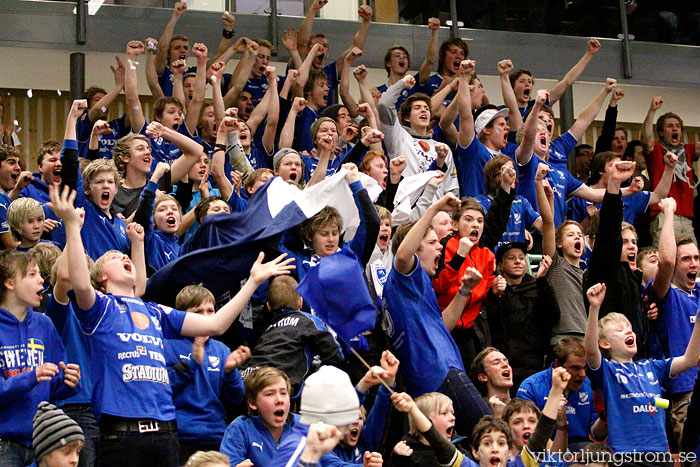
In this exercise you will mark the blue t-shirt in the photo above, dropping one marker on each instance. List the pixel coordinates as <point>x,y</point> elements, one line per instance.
<point>198,391</point>
<point>580,411</point>
<point>629,390</point>
<point>632,206</point>
<point>414,324</point>
<point>331,70</point>
<point>129,375</point>
<point>522,216</point>
<point>563,184</point>
<point>672,331</point>
<point>470,162</point>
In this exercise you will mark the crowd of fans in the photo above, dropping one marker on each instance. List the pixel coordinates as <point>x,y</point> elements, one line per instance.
<point>519,314</point>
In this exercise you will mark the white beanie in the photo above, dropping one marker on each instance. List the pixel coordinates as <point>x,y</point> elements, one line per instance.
<point>329,397</point>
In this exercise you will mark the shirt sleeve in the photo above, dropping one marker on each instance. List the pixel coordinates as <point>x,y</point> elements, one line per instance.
<point>170,320</point>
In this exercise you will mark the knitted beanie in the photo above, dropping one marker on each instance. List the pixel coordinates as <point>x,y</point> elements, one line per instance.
<point>53,429</point>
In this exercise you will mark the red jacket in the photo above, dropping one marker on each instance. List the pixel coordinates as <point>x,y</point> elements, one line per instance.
<point>681,191</point>
<point>449,279</point>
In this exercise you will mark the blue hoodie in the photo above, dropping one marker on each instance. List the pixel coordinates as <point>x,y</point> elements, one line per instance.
<point>248,438</point>
<point>24,346</point>
<point>198,389</point>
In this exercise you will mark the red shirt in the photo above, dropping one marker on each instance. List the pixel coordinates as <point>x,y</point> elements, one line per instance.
<point>449,279</point>
<point>680,190</point>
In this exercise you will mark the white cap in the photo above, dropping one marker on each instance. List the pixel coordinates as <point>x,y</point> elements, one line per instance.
<point>329,397</point>
<point>486,117</point>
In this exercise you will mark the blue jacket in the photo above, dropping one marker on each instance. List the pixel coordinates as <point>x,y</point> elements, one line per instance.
<point>198,389</point>
<point>248,438</point>
<point>26,345</point>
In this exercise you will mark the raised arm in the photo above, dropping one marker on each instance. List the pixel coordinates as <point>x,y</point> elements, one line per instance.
<point>572,75</point>
<point>662,189</point>
<point>453,312</point>
<point>647,132</point>
<point>227,125</point>
<point>177,68</point>
<point>287,135</point>
<point>273,112</point>
<point>607,133</point>
<point>164,43</point>
<point>96,111</point>
<point>216,71</point>
<point>449,116</point>
<point>200,86</point>
<point>62,206</point>
<point>305,68</point>
<point>151,73</point>
<point>304,34</point>
<point>387,103</point>
<point>595,295</point>
<point>325,148</point>
<point>545,199</point>
<point>431,55</point>
<point>138,256</point>
<point>667,250</point>
<point>586,117</point>
<point>360,74</point>
<point>524,150</point>
<point>135,112</point>
<point>404,258</point>
<point>515,120</point>
<point>241,73</point>
<point>466,119</point>
<point>440,96</point>
<point>344,89</point>
<point>191,150</point>
<point>228,21</point>
<point>199,325</point>
<point>289,40</point>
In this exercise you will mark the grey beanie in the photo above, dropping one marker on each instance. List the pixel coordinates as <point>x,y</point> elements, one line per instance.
<point>53,429</point>
<point>277,158</point>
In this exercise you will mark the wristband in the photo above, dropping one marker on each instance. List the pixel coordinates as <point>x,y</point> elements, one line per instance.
<point>217,150</point>
<point>463,293</point>
<point>563,426</point>
<point>220,146</point>
<point>228,34</point>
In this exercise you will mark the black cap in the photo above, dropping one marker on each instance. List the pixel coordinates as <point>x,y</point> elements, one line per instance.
<point>509,246</point>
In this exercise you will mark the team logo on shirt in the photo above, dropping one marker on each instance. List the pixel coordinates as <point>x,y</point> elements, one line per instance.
<point>214,361</point>
<point>140,320</point>
<point>583,397</point>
